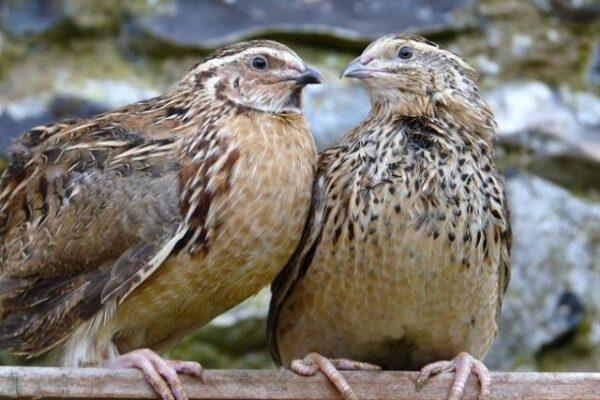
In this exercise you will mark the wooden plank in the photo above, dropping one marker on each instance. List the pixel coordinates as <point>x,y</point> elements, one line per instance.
<point>92,383</point>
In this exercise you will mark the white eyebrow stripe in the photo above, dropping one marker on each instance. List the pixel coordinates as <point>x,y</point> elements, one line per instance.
<point>287,56</point>
<point>382,43</point>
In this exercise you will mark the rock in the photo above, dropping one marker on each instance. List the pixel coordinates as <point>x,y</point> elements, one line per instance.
<point>30,17</point>
<point>23,115</point>
<point>55,84</point>
<point>594,68</point>
<point>553,299</point>
<point>37,17</point>
<point>334,108</point>
<point>553,126</point>
<point>235,339</point>
<point>531,115</point>
<point>213,23</point>
<point>524,42</point>
<point>578,11</point>
<point>560,130</point>
<point>521,44</point>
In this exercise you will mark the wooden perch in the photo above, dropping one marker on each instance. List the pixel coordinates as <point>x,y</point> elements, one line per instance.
<point>91,383</point>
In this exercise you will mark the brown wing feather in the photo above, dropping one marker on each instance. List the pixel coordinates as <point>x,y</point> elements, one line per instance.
<point>505,251</point>
<point>86,213</point>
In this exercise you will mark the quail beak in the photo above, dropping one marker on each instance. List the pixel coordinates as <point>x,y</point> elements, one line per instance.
<point>307,77</point>
<point>356,69</point>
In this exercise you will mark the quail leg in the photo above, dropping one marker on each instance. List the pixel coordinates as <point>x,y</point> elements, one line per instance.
<point>160,373</point>
<point>463,365</point>
<point>313,363</point>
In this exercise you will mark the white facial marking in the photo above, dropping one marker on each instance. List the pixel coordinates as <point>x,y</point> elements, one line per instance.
<point>287,56</point>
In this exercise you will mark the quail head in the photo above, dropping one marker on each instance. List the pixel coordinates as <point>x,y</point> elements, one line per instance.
<point>404,260</point>
<point>122,232</point>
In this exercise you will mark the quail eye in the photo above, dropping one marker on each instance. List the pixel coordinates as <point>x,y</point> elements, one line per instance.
<point>259,63</point>
<point>405,52</point>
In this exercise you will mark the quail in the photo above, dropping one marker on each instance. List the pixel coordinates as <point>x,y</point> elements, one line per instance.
<point>122,232</point>
<point>404,260</point>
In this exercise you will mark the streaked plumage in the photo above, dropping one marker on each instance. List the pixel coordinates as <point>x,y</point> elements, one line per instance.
<point>405,256</point>
<point>129,229</point>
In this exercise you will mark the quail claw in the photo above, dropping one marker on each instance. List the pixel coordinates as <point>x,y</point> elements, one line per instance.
<point>161,374</point>
<point>463,365</point>
<point>314,362</point>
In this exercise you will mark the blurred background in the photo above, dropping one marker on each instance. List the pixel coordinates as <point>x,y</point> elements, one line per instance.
<point>540,70</point>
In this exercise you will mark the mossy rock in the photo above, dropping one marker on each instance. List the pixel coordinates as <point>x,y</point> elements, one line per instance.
<point>242,345</point>
<point>573,352</point>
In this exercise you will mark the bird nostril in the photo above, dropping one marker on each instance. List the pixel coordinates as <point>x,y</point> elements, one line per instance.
<point>296,67</point>
<point>366,58</point>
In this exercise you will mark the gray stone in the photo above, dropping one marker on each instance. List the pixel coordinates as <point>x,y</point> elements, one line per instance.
<point>235,339</point>
<point>579,11</point>
<point>594,69</point>
<point>555,134</point>
<point>333,108</point>
<point>21,116</point>
<point>29,17</point>
<point>551,124</point>
<point>209,24</point>
<point>555,273</point>
<point>530,116</point>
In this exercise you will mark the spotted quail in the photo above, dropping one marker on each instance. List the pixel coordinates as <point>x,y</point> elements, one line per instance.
<point>123,232</point>
<point>405,257</point>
